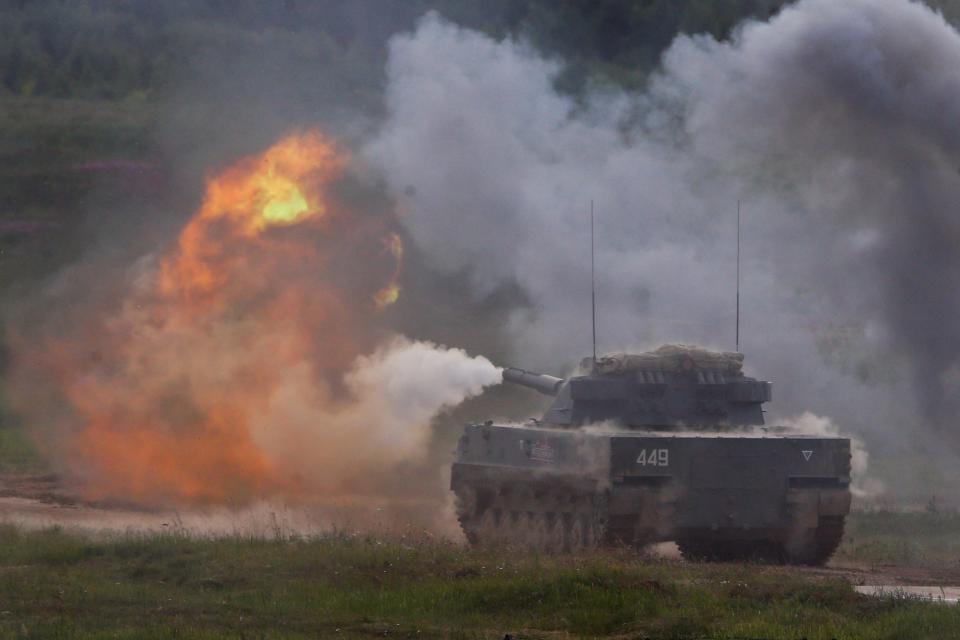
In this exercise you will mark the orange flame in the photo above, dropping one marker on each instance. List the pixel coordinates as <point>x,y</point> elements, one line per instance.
<point>273,279</point>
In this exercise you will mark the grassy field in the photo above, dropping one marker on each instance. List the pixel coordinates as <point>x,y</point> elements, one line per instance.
<point>917,539</point>
<point>18,452</point>
<point>60,584</point>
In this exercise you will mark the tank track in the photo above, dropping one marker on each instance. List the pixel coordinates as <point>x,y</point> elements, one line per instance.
<point>537,519</point>
<point>705,549</point>
<point>558,518</point>
<point>810,547</point>
<point>822,543</point>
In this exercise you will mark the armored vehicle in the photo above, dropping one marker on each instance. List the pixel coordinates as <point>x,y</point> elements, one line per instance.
<point>641,448</point>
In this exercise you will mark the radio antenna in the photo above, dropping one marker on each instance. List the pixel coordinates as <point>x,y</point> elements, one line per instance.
<point>738,277</point>
<point>593,290</point>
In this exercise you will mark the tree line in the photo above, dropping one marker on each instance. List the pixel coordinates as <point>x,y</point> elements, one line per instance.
<point>130,49</point>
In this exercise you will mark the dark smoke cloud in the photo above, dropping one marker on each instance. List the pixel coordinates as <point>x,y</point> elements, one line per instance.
<point>854,105</point>
<point>834,123</point>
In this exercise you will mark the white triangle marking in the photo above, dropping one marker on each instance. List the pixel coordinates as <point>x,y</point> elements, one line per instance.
<point>807,454</point>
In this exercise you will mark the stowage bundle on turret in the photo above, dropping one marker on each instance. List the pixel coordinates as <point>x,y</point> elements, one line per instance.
<point>671,358</point>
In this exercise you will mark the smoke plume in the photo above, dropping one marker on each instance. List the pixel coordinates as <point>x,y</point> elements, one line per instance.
<point>250,359</point>
<point>833,124</point>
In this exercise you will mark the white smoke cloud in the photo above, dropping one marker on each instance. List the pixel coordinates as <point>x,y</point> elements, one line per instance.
<point>404,384</point>
<point>354,446</point>
<point>834,123</point>
<point>502,170</point>
<point>810,424</point>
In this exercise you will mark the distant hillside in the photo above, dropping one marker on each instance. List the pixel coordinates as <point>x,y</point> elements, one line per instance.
<point>112,49</point>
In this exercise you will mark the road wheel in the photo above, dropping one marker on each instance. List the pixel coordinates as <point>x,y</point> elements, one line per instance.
<point>577,537</point>
<point>520,532</point>
<point>556,533</point>
<point>598,532</point>
<point>531,531</point>
<point>488,529</point>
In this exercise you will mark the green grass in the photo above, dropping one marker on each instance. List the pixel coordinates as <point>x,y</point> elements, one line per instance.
<point>921,538</point>
<point>55,583</point>
<point>18,452</point>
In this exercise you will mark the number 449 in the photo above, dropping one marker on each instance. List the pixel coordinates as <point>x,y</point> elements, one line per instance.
<point>654,457</point>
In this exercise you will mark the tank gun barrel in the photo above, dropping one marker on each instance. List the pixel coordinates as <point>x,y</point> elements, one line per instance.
<point>543,383</point>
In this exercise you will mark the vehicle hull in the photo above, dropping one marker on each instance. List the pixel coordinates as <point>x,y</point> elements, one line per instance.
<point>717,494</point>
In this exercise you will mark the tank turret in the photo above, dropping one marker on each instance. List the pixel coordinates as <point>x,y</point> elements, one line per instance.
<point>674,387</point>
